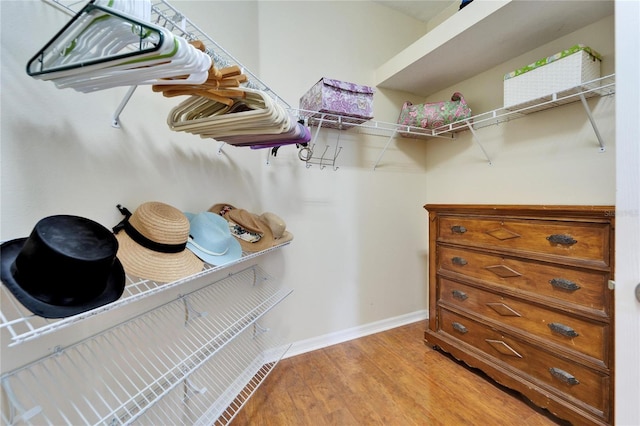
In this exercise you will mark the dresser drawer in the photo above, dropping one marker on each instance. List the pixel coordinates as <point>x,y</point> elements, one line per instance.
<point>565,239</point>
<point>575,334</point>
<point>565,378</point>
<point>583,287</point>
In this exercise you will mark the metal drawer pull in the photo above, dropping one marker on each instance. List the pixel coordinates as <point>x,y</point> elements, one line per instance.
<point>563,376</point>
<point>564,284</point>
<point>460,295</point>
<point>458,261</point>
<point>565,330</point>
<point>565,240</point>
<point>457,229</point>
<point>459,327</point>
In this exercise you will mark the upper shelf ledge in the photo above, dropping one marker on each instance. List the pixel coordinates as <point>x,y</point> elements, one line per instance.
<point>481,36</point>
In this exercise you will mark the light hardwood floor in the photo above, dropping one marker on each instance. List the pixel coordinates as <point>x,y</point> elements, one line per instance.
<point>389,378</point>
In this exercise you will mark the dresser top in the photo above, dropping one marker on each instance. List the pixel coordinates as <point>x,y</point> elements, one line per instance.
<point>599,211</point>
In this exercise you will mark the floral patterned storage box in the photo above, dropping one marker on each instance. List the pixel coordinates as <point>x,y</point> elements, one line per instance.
<point>434,115</point>
<point>353,103</point>
<point>557,73</point>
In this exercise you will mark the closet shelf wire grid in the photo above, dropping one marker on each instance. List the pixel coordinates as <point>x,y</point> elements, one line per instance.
<point>23,326</point>
<point>123,371</point>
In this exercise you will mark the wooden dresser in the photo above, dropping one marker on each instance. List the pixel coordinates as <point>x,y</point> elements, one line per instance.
<point>522,293</point>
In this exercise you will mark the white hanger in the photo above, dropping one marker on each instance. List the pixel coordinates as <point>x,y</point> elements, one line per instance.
<point>62,51</point>
<point>265,117</point>
<point>100,48</point>
<point>184,60</point>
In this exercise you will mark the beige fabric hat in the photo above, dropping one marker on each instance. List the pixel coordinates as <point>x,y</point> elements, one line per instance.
<point>252,233</point>
<point>221,208</point>
<point>152,243</point>
<point>278,227</point>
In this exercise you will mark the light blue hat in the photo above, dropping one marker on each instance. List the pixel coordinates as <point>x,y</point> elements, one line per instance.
<point>211,240</point>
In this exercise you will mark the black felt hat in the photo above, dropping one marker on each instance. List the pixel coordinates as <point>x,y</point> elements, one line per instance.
<point>67,265</point>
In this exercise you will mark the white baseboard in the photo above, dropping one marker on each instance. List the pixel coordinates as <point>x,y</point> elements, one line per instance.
<point>320,342</point>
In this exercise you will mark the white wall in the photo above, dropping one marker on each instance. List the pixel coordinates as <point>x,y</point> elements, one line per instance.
<point>550,157</point>
<point>359,250</point>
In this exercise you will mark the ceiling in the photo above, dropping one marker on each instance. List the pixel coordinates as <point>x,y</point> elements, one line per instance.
<point>423,10</point>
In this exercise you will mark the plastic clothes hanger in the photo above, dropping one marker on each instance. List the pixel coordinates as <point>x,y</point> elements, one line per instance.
<point>90,20</point>
<point>262,116</point>
<point>105,28</point>
<point>256,106</point>
<point>221,86</point>
<point>195,107</point>
<point>104,71</point>
<point>302,137</point>
<point>256,121</point>
<point>102,32</point>
<point>166,48</point>
<point>153,70</point>
<point>223,98</point>
<point>186,60</point>
<point>215,87</point>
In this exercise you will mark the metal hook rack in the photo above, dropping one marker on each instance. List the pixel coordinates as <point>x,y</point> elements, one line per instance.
<point>306,154</point>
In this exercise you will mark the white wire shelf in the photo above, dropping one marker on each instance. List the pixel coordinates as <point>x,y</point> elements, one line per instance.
<point>117,376</point>
<point>374,127</point>
<point>603,86</point>
<point>167,16</point>
<point>216,393</point>
<point>23,325</point>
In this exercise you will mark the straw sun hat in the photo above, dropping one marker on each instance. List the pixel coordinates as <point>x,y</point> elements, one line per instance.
<point>221,208</point>
<point>252,233</point>
<point>152,243</point>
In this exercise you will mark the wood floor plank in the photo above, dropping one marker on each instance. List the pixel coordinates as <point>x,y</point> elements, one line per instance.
<point>361,376</point>
<point>400,377</point>
<point>389,378</point>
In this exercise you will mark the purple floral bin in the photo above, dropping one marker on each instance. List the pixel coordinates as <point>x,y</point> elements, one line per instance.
<point>353,103</point>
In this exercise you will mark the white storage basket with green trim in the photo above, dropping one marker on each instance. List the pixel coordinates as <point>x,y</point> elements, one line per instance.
<point>554,74</point>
